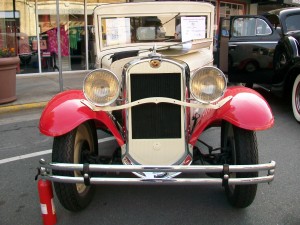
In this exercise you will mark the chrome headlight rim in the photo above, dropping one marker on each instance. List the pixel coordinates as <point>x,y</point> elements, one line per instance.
<point>117,93</point>
<point>222,93</point>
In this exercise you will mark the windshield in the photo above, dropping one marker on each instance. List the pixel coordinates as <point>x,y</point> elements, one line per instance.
<point>143,29</point>
<point>292,23</point>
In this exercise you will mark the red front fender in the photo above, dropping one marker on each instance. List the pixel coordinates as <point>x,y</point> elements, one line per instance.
<point>247,109</point>
<point>65,112</point>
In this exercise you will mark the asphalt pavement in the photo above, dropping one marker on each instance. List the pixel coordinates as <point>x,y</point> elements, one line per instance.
<point>34,91</point>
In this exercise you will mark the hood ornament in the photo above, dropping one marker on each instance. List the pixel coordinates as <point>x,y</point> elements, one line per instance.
<point>153,52</point>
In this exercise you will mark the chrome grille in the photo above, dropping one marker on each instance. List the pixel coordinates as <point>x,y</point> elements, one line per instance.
<point>152,121</point>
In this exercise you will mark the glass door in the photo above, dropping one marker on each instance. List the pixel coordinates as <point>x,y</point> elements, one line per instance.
<point>18,25</point>
<point>70,33</point>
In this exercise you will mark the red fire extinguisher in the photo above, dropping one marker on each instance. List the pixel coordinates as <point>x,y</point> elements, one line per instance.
<point>46,201</point>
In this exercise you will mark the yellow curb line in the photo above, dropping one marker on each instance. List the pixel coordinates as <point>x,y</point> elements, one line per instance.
<point>15,108</point>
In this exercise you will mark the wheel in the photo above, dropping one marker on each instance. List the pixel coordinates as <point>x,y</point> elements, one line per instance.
<point>74,147</point>
<point>281,60</point>
<point>251,67</point>
<point>240,147</point>
<point>296,98</point>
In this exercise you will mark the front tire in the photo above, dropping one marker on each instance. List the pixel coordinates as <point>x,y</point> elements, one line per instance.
<point>74,147</point>
<point>241,148</point>
<point>296,98</point>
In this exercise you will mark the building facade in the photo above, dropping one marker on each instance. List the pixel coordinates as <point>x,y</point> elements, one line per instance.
<point>35,27</point>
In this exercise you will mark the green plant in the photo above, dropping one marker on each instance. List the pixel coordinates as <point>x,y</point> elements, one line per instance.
<point>7,52</point>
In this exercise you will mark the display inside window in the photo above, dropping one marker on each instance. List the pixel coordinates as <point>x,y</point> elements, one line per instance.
<point>8,38</point>
<point>162,28</point>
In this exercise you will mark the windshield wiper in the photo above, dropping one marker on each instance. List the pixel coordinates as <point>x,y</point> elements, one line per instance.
<point>176,44</point>
<point>178,14</point>
<point>162,48</point>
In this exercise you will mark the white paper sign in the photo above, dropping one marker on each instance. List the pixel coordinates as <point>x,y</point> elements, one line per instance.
<point>117,31</point>
<point>44,209</point>
<point>193,28</point>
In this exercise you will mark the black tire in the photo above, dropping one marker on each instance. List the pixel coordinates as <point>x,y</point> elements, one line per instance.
<point>241,148</point>
<point>281,60</point>
<point>296,98</point>
<point>73,148</point>
<point>251,67</point>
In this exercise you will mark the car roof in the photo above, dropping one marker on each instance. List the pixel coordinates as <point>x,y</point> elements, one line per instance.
<point>284,11</point>
<point>143,8</point>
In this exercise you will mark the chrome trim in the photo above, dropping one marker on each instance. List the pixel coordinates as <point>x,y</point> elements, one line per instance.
<point>133,63</point>
<point>184,74</point>
<point>234,44</point>
<point>157,101</point>
<point>162,181</point>
<point>269,167</point>
<point>222,75</point>
<point>128,160</point>
<point>107,103</point>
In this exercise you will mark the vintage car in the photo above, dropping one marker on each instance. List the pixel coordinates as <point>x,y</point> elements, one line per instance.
<point>155,93</point>
<point>265,50</point>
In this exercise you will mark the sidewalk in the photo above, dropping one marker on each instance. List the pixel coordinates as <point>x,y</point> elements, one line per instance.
<point>36,90</point>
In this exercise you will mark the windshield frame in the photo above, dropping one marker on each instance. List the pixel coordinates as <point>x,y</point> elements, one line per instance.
<point>148,9</point>
<point>169,23</point>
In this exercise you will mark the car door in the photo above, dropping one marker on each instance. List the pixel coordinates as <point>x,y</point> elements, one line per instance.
<point>251,42</point>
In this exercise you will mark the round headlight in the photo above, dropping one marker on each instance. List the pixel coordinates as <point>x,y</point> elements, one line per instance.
<point>208,84</point>
<point>101,87</point>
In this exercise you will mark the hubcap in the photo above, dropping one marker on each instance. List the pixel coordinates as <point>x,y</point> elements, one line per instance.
<point>83,144</point>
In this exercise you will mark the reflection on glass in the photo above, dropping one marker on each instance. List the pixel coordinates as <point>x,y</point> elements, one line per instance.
<point>8,33</point>
<point>162,28</point>
<point>72,36</point>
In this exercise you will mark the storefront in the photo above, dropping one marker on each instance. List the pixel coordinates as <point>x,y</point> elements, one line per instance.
<point>265,6</point>
<point>35,23</point>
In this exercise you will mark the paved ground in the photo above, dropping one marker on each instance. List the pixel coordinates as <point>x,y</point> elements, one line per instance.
<point>36,90</point>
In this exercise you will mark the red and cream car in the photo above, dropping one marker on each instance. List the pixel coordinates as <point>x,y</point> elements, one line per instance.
<point>155,91</point>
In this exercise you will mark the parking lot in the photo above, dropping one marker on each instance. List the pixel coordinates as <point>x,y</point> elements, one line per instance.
<point>277,203</point>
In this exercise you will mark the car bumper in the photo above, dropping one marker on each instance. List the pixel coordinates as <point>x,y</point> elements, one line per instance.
<point>87,169</point>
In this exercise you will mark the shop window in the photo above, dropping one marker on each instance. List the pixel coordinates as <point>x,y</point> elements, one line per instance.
<point>230,9</point>
<point>8,33</point>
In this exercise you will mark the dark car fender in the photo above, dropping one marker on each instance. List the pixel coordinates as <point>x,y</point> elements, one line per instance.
<point>293,47</point>
<point>65,112</point>
<point>247,109</point>
<point>287,49</point>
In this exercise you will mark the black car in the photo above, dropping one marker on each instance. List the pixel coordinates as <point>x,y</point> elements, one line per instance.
<point>264,49</point>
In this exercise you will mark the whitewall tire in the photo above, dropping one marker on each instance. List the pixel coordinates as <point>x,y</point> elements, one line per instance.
<point>296,98</point>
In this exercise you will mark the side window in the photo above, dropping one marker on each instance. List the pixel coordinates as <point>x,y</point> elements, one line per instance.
<point>244,27</point>
<point>292,22</point>
<point>262,28</point>
<point>250,27</point>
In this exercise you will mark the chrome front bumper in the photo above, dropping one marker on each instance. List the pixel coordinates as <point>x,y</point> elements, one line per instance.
<point>45,172</point>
